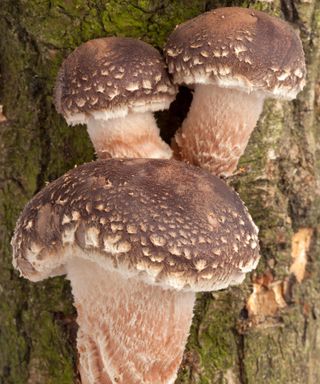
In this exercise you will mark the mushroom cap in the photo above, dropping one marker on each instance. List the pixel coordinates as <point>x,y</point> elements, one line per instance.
<point>110,77</point>
<point>170,223</point>
<point>238,48</point>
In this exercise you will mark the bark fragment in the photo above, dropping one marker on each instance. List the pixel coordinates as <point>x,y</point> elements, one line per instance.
<point>300,246</point>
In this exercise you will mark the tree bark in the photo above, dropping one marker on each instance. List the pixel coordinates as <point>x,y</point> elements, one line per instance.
<point>266,330</point>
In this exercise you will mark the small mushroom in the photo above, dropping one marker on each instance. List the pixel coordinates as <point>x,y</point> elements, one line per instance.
<point>113,85</point>
<point>136,245</point>
<point>234,58</point>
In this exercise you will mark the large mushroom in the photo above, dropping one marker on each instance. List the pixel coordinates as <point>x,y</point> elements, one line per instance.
<point>113,85</point>
<point>136,238</point>
<point>234,58</point>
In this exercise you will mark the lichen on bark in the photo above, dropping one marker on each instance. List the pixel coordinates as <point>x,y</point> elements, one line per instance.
<point>278,179</point>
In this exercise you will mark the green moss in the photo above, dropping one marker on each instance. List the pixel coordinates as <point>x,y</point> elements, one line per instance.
<point>213,342</point>
<point>50,357</point>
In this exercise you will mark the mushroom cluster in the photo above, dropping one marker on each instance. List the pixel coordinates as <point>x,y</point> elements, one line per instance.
<point>136,232</point>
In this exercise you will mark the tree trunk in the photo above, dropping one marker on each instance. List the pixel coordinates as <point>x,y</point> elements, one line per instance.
<point>266,330</point>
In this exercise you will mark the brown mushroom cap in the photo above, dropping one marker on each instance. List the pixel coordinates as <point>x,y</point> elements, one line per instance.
<point>170,223</point>
<point>238,48</point>
<point>109,77</point>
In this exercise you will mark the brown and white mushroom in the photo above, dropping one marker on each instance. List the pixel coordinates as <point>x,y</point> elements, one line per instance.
<point>113,85</point>
<point>234,58</point>
<point>136,238</point>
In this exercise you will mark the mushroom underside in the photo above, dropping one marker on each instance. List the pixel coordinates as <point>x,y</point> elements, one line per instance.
<point>218,127</point>
<point>134,136</point>
<point>129,331</point>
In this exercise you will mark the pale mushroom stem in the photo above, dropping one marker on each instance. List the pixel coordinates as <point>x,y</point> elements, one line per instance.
<point>129,332</point>
<point>133,136</point>
<point>217,128</point>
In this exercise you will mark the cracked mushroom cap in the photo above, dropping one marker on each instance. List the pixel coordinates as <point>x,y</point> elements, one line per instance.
<point>238,48</point>
<point>172,224</point>
<point>110,77</point>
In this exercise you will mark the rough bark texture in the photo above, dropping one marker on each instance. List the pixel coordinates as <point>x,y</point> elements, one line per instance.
<point>267,330</point>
